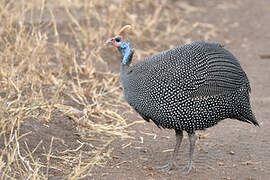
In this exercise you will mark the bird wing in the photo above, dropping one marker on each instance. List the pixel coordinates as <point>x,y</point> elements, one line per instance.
<point>215,71</point>
<point>200,69</point>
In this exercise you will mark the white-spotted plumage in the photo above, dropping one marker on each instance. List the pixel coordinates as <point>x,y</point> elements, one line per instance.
<point>188,88</point>
<point>191,87</point>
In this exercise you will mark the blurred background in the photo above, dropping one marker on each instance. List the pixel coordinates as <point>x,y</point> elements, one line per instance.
<point>63,115</point>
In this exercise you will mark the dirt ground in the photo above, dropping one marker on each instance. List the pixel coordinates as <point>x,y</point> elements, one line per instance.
<point>230,150</point>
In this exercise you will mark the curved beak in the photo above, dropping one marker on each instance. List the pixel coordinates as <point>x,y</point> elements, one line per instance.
<point>112,42</point>
<point>109,42</point>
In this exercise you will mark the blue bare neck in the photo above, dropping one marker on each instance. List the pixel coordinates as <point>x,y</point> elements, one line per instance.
<point>125,50</point>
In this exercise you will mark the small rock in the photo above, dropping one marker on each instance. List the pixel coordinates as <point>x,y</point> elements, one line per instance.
<point>220,163</point>
<point>231,153</point>
<point>247,163</point>
<point>148,168</point>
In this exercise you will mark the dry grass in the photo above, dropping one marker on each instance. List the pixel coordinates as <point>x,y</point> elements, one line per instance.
<point>54,66</point>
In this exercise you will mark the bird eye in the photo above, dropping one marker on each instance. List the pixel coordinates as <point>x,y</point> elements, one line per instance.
<point>117,39</point>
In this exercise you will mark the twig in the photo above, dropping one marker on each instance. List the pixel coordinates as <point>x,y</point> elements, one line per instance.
<point>48,158</point>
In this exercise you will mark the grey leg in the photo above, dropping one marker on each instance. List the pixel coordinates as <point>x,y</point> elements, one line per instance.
<point>171,164</point>
<point>192,141</point>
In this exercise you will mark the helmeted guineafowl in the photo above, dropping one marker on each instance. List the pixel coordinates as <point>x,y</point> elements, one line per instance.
<point>188,88</point>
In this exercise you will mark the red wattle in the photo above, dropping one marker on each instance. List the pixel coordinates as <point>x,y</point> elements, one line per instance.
<point>116,45</point>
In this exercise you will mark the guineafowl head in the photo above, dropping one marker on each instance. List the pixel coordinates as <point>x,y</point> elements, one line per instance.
<point>123,47</point>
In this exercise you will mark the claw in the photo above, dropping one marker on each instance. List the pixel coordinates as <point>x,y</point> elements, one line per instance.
<point>186,169</point>
<point>170,166</point>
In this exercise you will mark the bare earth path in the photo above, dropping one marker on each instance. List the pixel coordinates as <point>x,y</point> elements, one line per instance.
<point>230,150</point>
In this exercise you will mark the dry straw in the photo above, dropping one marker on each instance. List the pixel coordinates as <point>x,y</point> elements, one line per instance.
<point>60,101</point>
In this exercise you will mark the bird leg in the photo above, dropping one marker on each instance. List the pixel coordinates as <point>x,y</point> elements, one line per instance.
<point>192,141</point>
<point>171,165</point>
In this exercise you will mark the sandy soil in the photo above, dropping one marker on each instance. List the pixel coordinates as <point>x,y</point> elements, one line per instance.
<point>232,149</point>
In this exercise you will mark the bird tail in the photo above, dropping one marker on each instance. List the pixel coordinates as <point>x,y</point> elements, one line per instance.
<point>243,111</point>
<point>249,118</point>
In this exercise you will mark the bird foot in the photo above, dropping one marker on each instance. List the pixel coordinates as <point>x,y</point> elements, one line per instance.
<point>186,169</point>
<point>183,171</point>
<point>168,167</point>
